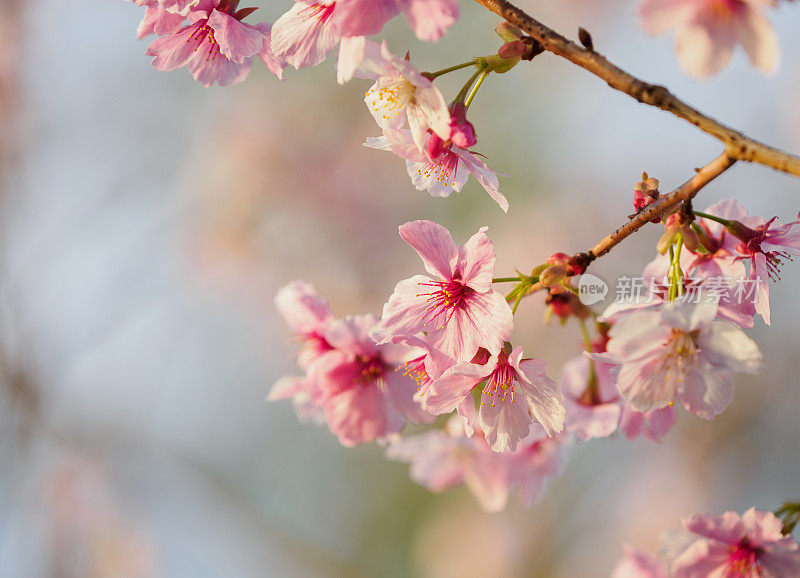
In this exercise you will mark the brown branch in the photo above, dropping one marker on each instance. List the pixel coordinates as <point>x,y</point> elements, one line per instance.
<point>668,202</point>
<point>739,146</point>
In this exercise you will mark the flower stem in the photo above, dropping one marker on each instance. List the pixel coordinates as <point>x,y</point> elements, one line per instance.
<point>467,85</point>
<point>449,69</point>
<point>505,279</point>
<point>592,391</point>
<point>720,220</point>
<point>475,88</point>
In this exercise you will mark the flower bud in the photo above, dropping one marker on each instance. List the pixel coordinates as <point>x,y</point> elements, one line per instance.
<point>564,304</point>
<point>508,32</point>
<point>514,49</point>
<point>645,193</point>
<point>462,133</point>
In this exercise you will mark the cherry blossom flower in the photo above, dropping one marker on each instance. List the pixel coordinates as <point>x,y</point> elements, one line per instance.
<point>216,46</point>
<point>766,243</point>
<point>679,352</point>
<point>590,416</point>
<point>444,459</point>
<point>429,19</point>
<point>358,387</point>
<point>402,94</point>
<point>449,173</point>
<point>308,316</point>
<point>157,19</point>
<point>636,564</point>
<point>457,308</point>
<point>716,277</point>
<point>516,393</point>
<point>732,545</point>
<point>707,32</point>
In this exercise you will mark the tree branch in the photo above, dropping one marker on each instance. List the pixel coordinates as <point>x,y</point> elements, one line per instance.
<point>739,146</point>
<point>685,192</point>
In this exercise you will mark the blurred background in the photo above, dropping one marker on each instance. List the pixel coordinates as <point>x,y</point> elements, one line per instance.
<point>147,222</point>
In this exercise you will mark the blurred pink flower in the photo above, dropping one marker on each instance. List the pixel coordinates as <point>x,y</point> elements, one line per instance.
<point>216,46</point>
<point>679,352</point>
<point>458,309</point>
<point>308,316</point>
<point>708,31</point>
<point>517,394</point>
<point>358,386</point>
<point>443,459</point>
<point>402,94</point>
<point>636,564</point>
<point>589,416</point>
<point>750,545</point>
<point>429,19</point>
<point>449,173</point>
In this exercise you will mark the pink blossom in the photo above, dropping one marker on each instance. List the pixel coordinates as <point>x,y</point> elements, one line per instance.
<point>636,564</point>
<point>716,277</point>
<point>751,545</point>
<point>767,244</point>
<point>457,308</point>
<point>516,394</point>
<point>444,459</point>
<point>157,19</point>
<point>308,316</point>
<point>707,32</point>
<point>679,352</point>
<point>449,173</point>
<point>402,94</point>
<point>216,46</point>
<point>357,384</point>
<point>590,416</point>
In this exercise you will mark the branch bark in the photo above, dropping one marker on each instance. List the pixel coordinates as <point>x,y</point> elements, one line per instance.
<point>738,145</point>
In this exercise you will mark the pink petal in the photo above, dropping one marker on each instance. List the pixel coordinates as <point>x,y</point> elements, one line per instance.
<point>435,246</point>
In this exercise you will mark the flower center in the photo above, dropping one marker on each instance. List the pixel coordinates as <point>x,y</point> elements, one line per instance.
<point>726,9</point>
<point>742,560</point>
<point>393,95</point>
<point>442,170</point>
<point>371,369</point>
<point>500,384</point>
<point>415,369</point>
<point>320,12</point>
<point>680,358</point>
<point>205,34</point>
<point>444,298</point>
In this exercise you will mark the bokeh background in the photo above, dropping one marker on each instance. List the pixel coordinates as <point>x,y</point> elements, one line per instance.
<point>147,222</point>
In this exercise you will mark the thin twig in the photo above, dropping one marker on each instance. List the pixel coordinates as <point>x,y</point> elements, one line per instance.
<point>686,191</point>
<point>739,146</point>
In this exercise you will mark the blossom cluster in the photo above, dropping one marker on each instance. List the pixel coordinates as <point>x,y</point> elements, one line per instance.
<point>443,344</point>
